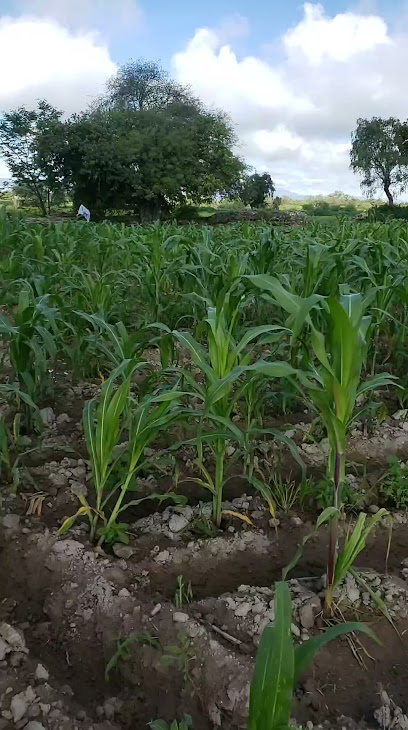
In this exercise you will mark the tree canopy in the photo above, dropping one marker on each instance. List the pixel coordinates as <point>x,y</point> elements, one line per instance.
<point>141,85</point>
<point>255,189</point>
<point>379,155</point>
<point>146,161</point>
<point>20,132</point>
<point>145,146</point>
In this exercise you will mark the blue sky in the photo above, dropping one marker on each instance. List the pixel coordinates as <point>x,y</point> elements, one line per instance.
<point>169,25</point>
<point>294,76</point>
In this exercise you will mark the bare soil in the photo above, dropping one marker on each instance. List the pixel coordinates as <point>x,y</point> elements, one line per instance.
<point>72,603</point>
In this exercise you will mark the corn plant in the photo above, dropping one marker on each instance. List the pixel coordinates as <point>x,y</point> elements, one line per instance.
<point>279,664</point>
<point>105,420</point>
<point>32,346</point>
<point>222,365</point>
<point>333,385</point>
<point>354,543</point>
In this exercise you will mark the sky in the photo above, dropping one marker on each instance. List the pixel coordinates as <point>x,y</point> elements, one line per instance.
<point>293,76</point>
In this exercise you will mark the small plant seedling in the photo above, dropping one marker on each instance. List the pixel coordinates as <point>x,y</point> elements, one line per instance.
<point>285,492</point>
<point>184,592</point>
<point>116,532</point>
<point>122,652</point>
<point>179,656</point>
<point>203,526</point>
<point>185,724</point>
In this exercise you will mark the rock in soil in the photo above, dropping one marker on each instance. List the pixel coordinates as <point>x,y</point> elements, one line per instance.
<point>306,616</point>
<point>41,673</point>
<point>122,551</point>
<point>47,416</point>
<point>180,618</point>
<point>11,522</point>
<point>20,702</point>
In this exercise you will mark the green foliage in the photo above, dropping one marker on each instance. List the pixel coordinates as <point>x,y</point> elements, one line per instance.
<point>141,85</point>
<point>255,189</point>
<point>179,656</point>
<point>104,421</point>
<point>354,543</point>
<point>378,154</point>
<point>147,161</point>
<point>116,532</point>
<point>185,724</point>
<point>385,212</point>
<point>122,652</point>
<point>327,208</point>
<point>26,158</point>
<point>224,362</point>
<point>31,339</point>
<point>279,664</point>
<point>320,494</point>
<point>331,380</point>
<point>394,484</point>
<point>184,592</point>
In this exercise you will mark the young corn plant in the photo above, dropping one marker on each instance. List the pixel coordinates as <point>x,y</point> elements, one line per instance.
<point>332,383</point>
<point>32,347</point>
<point>279,664</point>
<point>222,365</point>
<point>105,420</point>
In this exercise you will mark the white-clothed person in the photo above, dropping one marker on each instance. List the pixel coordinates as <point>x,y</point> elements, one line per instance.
<point>84,212</point>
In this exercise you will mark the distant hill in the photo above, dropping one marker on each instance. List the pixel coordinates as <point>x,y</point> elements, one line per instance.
<point>282,193</point>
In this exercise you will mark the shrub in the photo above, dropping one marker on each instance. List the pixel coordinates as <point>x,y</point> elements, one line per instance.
<point>394,484</point>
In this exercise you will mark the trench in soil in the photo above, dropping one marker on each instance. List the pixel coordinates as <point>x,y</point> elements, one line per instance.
<point>336,684</point>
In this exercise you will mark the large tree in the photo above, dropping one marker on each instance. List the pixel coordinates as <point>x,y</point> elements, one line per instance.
<point>149,160</point>
<point>20,132</point>
<point>141,85</point>
<point>378,154</point>
<point>255,189</point>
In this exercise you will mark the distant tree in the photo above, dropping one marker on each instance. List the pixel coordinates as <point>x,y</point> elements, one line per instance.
<point>378,154</point>
<point>148,161</point>
<point>20,131</point>
<point>255,189</point>
<point>141,85</point>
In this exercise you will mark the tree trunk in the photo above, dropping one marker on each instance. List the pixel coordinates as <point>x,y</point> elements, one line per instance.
<point>40,200</point>
<point>48,201</point>
<point>388,193</point>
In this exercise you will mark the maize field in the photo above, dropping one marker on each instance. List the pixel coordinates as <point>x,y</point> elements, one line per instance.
<point>204,468</point>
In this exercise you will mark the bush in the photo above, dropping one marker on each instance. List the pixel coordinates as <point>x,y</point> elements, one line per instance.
<point>324,207</point>
<point>276,217</point>
<point>394,484</point>
<point>381,213</point>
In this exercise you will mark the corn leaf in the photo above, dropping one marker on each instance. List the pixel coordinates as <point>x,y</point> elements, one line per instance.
<point>271,691</point>
<point>306,651</point>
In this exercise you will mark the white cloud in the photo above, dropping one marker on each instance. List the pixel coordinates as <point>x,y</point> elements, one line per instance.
<point>319,38</point>
<point>41,59</point>
<point>294,115</point>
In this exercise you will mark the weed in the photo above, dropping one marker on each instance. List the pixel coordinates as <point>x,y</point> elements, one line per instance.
<point>394,484</point>
<point>179,656</point>
<point>122,652</point>
<point>184,592</point>
<point>184,724</point>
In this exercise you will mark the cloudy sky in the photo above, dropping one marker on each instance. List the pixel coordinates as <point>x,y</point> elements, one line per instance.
<point>294,77</point>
